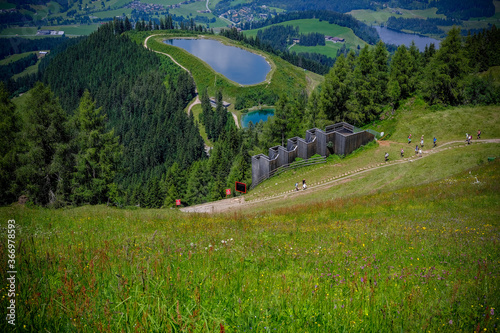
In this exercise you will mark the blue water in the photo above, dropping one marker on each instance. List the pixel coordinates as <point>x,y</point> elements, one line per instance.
<point>256,116</point>
<point>389,36</point>
<point>236,64</point>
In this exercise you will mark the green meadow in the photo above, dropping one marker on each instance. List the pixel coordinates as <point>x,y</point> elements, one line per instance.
<point>315,25</point>
<point>421,258</point>
<point>381,16</point>
<point>410,245</point>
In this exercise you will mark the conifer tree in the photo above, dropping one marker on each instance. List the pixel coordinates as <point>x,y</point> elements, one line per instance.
<point>97,157</point>
<point>44,155</point>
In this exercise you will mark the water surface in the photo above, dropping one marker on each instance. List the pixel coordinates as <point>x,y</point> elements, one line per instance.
<point>256,116</point>
<point>236,64</point>
<point>389,36</point>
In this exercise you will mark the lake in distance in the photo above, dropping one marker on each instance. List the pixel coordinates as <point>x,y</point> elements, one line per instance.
<point>236,64</point>
<point>256,116</point>
<point>389,36</point>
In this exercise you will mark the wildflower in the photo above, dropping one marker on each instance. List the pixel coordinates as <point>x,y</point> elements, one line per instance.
<point>450,322</point>
<point>492,311</point>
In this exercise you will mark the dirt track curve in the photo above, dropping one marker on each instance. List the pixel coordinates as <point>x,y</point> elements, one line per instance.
<point>238,203</point>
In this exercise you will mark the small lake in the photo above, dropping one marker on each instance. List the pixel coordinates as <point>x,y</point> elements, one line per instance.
<point>236,64</point>
<point>256,116</point>
<point>389,36</point>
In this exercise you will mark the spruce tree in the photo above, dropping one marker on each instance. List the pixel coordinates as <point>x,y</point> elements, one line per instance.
<point>98,154</point>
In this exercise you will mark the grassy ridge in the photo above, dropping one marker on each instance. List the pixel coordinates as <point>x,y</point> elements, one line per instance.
<point>421,258</point>
<point>284,77</point>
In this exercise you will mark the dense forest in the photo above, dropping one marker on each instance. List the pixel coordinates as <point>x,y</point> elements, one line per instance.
<point>15,67</point>
<point>366,33</point>
<point>108,124</point>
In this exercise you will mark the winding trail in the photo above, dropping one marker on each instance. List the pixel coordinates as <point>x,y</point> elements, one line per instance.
<point>237,203</point>
<point>168,55</point>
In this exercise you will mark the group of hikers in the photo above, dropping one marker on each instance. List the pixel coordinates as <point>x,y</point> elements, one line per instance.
<point>304,186</point>
<point>418,150</point>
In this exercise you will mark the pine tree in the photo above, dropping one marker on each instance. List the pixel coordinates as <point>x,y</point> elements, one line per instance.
<point>97,157</point>
<point>44,156</point>
<point>9,127</point>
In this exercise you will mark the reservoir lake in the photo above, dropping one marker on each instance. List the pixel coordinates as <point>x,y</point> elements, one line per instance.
<point>389,36</point>
<point>256,116</point>
<point>236,64</point>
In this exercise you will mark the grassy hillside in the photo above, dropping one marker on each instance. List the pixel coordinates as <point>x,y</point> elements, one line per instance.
<point>314,25</point>
<point>424,257</point>
<point>381,16</point>
<point>283,78</point>
<point>413,117</point>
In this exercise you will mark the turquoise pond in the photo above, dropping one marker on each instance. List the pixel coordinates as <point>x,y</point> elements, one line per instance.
<point>256,116</point>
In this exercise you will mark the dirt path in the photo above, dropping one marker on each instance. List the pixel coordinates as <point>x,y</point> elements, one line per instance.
<point>196,101</point>
<point>237,203</point>
<point>168,55</point>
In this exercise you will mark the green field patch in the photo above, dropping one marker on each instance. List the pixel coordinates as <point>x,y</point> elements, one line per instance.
<point>315,25</point>
<point>381,16</point>
<point>112,13</point>
<point>74,30</point>
<point>15,57</point>
<point>28,71</point>
<point>191,8</point>
<point>196,110</point>
<point>162,2</point>
<point>21,31</point>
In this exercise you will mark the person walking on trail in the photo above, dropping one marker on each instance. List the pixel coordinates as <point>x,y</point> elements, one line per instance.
<point>304,186</point>
<point>422,140</point>
<point>402,152</point>
<point>478,134</point>
<point>466,137</point>
<point>416,150</point>
<point>420,152</point>
<point>386,156</point>
<point>435,140</point>
<point>409,138</point>
<point>296,186</point>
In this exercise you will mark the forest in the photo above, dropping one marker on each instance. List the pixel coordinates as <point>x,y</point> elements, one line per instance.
<point>366,33</point>
<point>424,26</point>
<point>107,123</point>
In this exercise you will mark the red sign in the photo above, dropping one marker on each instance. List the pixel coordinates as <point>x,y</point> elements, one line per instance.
<point>240,187</point>
<point>178,202</point>
<point>228,191</point>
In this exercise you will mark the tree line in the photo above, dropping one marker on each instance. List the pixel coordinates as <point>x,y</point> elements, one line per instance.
<point>15,67</point>
<point>359,87</point>
<point>424,26</point>
<point>363,31</point>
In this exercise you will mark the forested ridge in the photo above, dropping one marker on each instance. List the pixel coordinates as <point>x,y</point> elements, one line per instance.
<point>108,124</point>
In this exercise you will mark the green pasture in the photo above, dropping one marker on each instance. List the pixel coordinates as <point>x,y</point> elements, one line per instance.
<point>21,31</point>
<point>162,2</point>
<point>112,13</point>
<point>381,16</point>
<point>28,71</point>
<point>15,57</point>
<point>191,9</point>
<point>314,25</point>
<point>421,258</point>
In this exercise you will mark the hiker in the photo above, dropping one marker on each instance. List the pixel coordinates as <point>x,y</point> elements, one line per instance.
<point>304,186</point>
<point>409,139</point>
<point>296,186</point>
<point>468,139</point>
<point>420,152</point>
<point>478,134</point>
<point>402,152</point>
<point>386,156</point>
<point>416,150</point>
<point>422,141</point>
<point>435,140</point>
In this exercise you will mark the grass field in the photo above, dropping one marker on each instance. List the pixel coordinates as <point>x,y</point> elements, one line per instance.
<point>29,70</point>
<point>15,57</point>
<point>21,31</point>
<point>422,258</point>
<point>381,16</point>
<point>314,25</point>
